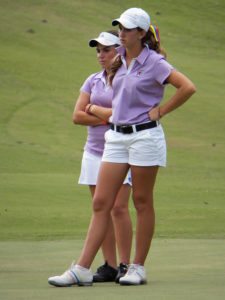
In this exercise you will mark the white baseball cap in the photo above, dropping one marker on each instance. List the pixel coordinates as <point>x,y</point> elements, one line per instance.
<point>105,39</point>
<point>133,18</point>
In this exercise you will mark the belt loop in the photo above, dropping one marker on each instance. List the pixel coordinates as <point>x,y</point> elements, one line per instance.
<point>134,128</point>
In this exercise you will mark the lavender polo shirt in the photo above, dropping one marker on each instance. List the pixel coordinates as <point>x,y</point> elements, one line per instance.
<point>139,88</point>
<point>100,94</point>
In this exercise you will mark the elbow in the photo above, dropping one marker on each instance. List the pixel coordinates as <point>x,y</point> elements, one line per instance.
<point>191,89</point>
<point>75,119</point>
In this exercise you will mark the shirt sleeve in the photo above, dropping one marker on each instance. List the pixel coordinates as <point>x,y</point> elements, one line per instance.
<point>162,70</point>
<point>87,85</point>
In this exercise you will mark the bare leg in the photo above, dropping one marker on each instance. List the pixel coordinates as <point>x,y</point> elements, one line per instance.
<point>143,179</point>
<point>110,179</point>
<point>109,244</point>
<point>122,223</point>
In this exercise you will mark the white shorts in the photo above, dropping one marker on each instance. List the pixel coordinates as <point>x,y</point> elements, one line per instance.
<point>143,148</point>
<point>90,167</point>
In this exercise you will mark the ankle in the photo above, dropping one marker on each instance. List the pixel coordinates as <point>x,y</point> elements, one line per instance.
<point>84,269</point>
<point>111,265</point>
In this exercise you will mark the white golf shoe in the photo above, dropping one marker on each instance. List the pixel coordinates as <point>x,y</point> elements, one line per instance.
<point>135,275</point>
<point>76,275</point>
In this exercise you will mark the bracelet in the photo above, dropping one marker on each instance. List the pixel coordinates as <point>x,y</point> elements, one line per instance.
<point>89,108</point>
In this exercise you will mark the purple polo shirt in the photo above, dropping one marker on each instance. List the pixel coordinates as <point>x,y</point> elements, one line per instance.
<point>139,88</point>
<point>100,94</point>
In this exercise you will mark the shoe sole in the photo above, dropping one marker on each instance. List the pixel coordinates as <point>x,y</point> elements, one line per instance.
<point>85,283</point>
<point>70,285</point>
<point>132,283</point>
<point>117,280</point>
<point>58,285</point>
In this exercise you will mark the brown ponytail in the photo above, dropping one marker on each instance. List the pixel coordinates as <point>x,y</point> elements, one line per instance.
<point>152,42</point>
<point>114,67</point>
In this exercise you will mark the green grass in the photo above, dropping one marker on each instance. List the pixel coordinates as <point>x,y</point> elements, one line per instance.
<point>177,269</point>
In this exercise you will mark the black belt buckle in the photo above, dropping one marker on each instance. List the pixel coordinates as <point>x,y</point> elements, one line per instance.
<point>125,129</point>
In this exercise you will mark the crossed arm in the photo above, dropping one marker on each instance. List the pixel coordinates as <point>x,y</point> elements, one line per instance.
<point>86,113</point>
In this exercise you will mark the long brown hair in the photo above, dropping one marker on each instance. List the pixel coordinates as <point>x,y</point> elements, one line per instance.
<point>150,40</point>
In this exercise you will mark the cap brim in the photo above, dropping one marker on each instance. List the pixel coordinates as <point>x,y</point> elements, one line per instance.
<point>93,43</point>
<point>104,42</point>
<point>115,22</point>
<point>125,23</point>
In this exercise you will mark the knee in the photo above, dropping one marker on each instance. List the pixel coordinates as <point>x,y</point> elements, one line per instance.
<point>98,204</point>
<point>142,203</point>
<point>119,211</point>
<point>101,204</point>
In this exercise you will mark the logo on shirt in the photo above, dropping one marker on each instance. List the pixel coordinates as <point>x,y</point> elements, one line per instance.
<point>139,73</point>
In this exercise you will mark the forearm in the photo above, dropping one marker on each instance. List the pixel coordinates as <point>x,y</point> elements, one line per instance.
<point>102,113</point>
<point>83,118</point>
<point>179,98</point>
<point>184,89</point>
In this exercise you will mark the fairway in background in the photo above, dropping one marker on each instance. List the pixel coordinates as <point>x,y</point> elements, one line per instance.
<point>44,59</point>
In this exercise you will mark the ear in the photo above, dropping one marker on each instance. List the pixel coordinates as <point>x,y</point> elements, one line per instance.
<point>142,34</point>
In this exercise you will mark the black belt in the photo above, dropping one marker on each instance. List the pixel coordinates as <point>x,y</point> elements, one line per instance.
<point>127,129</point>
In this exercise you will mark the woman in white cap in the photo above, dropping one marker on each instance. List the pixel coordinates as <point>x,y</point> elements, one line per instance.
<point>96,98</point>
<point>135,140</point>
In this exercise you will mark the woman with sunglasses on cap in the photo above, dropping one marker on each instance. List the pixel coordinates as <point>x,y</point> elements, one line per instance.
<point>96,97</point>
<point>135,140</point>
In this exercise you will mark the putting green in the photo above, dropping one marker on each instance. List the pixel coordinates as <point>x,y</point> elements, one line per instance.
<point>177,269</point>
